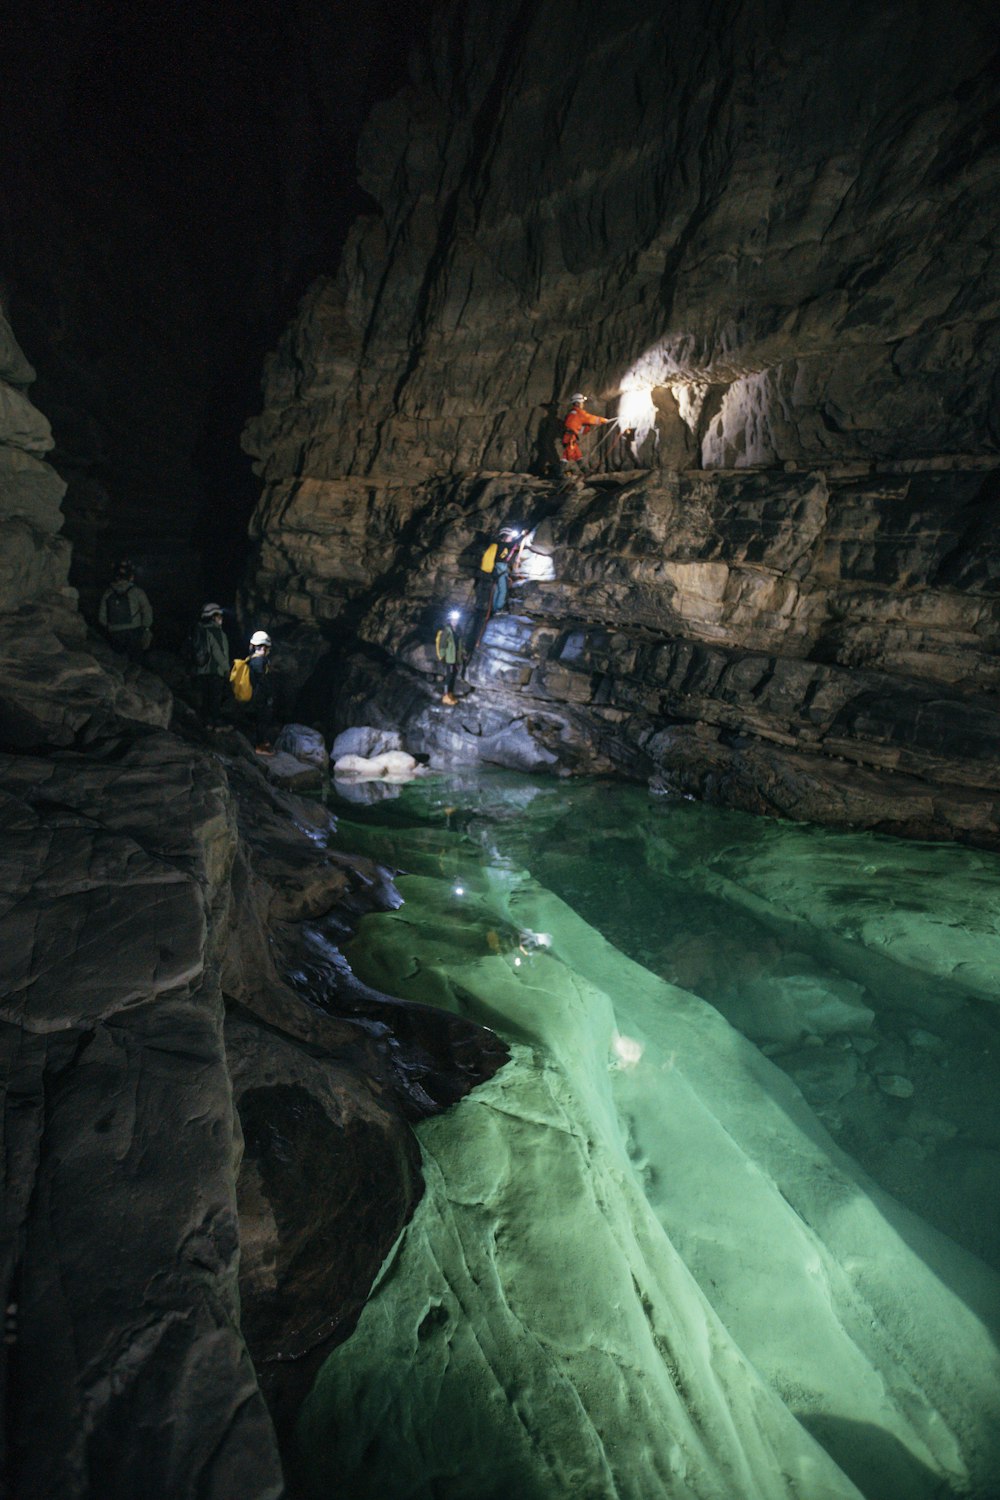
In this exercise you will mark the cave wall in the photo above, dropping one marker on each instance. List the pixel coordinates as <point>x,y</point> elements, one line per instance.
<point>205,1117</point>
<point>764,238</point>
<point>785,218</point>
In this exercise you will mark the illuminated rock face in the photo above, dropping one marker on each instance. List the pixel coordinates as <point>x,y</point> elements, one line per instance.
<point>815,645</point>
<point>766,245</point>
<point>776,223</point>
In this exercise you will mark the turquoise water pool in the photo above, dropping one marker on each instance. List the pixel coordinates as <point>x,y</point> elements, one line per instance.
<point>726,1224</point>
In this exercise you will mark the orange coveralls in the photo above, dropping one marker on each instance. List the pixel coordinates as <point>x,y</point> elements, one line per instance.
<point>576,423</point>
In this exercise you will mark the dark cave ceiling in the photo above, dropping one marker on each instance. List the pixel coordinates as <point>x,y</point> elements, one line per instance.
<point>174,177</point>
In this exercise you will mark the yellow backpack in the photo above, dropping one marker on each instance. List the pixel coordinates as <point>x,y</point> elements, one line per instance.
<point>239,680</point>
<point>489,559</point>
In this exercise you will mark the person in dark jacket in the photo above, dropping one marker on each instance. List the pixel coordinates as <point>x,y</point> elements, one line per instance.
<point>210,658</point>
<point>449,651</point>
<point>259,662</point>
<point>125,614</point>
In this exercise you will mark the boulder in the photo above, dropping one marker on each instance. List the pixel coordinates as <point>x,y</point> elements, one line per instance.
<point>297,775</point>
<point>365,742</point>
<point>305,744</point>
<point>388,765</point>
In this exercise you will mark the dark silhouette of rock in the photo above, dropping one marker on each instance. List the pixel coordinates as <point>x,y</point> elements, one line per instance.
<point>148,886</point>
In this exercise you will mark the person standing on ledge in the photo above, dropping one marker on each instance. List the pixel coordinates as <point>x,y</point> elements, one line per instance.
<point>259,662</point>
<point>210,658</point>
<point>126,614</point>
<point>449,651</point>
<point>578,421</point>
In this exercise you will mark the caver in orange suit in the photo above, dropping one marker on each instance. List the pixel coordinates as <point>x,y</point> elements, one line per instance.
<point>576,423</point>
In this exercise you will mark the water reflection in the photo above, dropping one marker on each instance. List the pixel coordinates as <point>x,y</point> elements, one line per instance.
<point>646,1249</point>
<point>867,967</point>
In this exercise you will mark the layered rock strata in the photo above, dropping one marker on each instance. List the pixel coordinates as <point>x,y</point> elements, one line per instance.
<point>769,233</point>
<point>822,645</point>
<point>184,1058</point>
<point>764,240</point>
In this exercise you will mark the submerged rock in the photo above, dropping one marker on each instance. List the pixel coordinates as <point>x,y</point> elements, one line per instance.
<point>895,1085</point>
<point>783,1008</point>
<point>709,1277</point>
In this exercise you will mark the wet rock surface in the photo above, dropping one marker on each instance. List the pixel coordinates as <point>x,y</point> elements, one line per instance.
<point>163,1165</point>
<point>133,911</point>
<point>817,646</point>
<point>537,897</point>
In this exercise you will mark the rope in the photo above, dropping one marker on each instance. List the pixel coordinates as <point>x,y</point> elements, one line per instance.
<point>609,428</point>
<point>486,618</point>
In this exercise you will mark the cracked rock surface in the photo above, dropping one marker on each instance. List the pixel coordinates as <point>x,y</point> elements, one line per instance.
<point>774,260</point>
<point>182,1061</point>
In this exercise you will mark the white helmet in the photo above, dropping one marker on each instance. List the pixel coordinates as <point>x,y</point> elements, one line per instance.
<point>577,397</point>
<point>260,638</point>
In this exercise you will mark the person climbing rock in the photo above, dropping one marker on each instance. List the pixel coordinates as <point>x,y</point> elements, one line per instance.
<point>493,580</point>
<point>499,559</point>
<point>578,421</point>
<point>262,702</point>
<point>126,614</point>
<point>449,651</point>
<point>210,664</point>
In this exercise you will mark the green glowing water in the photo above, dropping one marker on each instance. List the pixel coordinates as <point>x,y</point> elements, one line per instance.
<point>647,1264</point>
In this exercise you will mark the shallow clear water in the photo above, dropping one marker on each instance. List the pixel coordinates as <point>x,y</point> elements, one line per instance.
<point>649,1263</point>
<point>849,958</point>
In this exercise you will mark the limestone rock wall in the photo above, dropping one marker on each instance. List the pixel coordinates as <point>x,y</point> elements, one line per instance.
<point>184,1057</point>
<point>820,646</point>
<point>768,232</point>
<point>764,238</point>
<point>34,558</point>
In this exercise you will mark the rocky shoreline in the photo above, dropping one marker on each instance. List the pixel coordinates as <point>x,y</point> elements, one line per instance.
<point>818,645</point>
<point>207,1119</point>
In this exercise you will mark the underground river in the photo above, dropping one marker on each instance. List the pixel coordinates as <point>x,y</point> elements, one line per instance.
<point>726,1225</point>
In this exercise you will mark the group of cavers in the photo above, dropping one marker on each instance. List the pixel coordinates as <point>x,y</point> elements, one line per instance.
<point>126,616</point>
<point>499,566</point>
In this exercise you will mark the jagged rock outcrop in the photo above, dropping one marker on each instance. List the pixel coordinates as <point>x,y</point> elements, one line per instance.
<point>773,230</point>
<point>177,1070</point>
<point>819,644</point>
<point>765,241</point>
<point>35,559</point>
